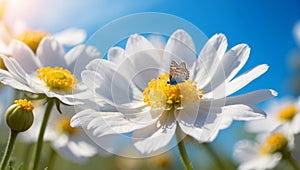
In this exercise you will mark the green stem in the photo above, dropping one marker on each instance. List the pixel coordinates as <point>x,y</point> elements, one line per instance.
<point>52,159</point>
<point>182,151</point>
<point>9,148</point>
<point>214,155</point>
<point>293,163</point>
<point>41,134</point>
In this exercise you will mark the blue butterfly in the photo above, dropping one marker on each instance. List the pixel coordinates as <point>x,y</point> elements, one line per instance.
<point>178,73</point>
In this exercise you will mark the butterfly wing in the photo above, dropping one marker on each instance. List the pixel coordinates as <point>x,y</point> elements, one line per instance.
<point>178,72</point>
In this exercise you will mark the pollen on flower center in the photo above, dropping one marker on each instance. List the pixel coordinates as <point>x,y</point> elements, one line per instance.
<point>161,94</point>
<point>32,38</point>
<point>288,113</point>
<point>57,78</point>
<point>274,143</point>
<point>64,126</point>
<point>24,104</point>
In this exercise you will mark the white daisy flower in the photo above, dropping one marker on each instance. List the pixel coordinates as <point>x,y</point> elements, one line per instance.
<point>284,112</point>
<point>150,102</point>
<point>265,153</point>
<point>47,72</point>
<point>71,143</point>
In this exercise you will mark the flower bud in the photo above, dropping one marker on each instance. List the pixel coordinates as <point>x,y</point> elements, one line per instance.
<point>19,116</point>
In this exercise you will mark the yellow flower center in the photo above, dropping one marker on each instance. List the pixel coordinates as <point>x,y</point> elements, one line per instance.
<point>161,94</point>
<point>275,143</point>
<point>32,38</point>
<point>64,126</point>
<point>288,113</point>
<point>24,104</point>
<point>57,78</point>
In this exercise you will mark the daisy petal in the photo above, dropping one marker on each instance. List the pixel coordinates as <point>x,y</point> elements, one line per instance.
<point>262,162</point>
<point>14,68</point>
<point>295,124</point>
<point>71,36</point>
<point>213,117</point>
<point>153,137</point>
<point>230,65</point>
<point>116,122</point>
<point>137,43</point>
<point>79,57</point>
<point>116,55</point>
<point>7,79</point>
<point>94,65</point>
<point>82,119</point>
<point>240,112</point>
<point>23,54</point>
<point>241,81</point>
<point>204,126</point>
<point>234,60</point>
<point>157,41</point>
<point>244,150</point>
<point>106,85</point>
<point>143,61</point>
<point>76,150</point>
<point>180,47</point>
<point>209,59</point>
<point>192,131</point>
<point>51,53</point>
<point>251,98</point>
<point>92,79</point>
<point>105,123</point>
<point>191,123</point>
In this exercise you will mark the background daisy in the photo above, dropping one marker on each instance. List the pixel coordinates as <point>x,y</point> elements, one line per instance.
<point>282,112</point>
<point>265,153</point>
<point>48,72</point>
